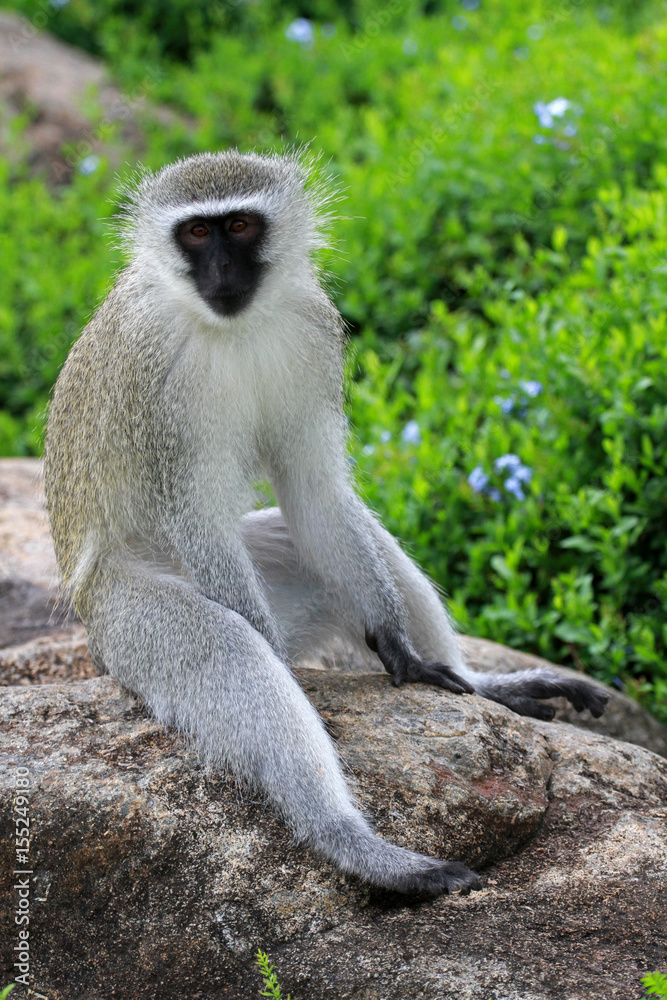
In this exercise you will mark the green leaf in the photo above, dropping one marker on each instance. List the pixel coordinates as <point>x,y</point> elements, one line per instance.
<point>579,542</point>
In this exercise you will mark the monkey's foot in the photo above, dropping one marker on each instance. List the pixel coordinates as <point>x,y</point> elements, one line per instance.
<point>444,876</point>
<point>521,694</point>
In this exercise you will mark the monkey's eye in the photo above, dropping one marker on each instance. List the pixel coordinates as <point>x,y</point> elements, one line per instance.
<point>200,230</point>
<point>237,225</point>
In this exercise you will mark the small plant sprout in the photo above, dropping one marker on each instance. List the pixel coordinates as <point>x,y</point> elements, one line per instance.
<point>7,990</point>
<point>655,983</point>
<point>272,987</point>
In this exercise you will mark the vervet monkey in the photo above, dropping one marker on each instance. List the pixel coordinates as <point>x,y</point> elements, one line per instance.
<point>215,362</point>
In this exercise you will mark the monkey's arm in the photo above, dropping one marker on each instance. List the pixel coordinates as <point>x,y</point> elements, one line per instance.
<point>335,536</point>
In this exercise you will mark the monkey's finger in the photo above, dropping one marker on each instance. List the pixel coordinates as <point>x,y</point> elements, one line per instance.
<point>447,677</point>
<point>439,674</point>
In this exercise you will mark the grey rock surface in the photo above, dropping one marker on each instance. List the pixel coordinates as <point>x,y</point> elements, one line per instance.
<point>155,878</point>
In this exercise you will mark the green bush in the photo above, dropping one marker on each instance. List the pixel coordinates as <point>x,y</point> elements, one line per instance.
<point>574,383</point>
<point>656,984</point>
<point>55,270</point>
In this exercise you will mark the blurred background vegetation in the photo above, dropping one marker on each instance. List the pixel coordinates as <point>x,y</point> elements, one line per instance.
<point>501,261</point>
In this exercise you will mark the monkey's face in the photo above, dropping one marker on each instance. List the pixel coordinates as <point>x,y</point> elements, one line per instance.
<point>223,253</point>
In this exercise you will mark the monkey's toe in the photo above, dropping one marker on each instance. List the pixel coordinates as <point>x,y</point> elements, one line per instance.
<point>585,695</point>
<point>532,708</point>
<point>445,876</point>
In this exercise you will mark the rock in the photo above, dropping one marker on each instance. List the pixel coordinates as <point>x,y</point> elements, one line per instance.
<point>60,656</point>
<point>70,98</point>
<point>28,571</point>
<point>153,878</point>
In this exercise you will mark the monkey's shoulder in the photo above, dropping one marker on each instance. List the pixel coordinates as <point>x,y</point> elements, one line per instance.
<point>122,345</point>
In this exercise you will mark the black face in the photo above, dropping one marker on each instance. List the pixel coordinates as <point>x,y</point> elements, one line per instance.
<point>224,256</point>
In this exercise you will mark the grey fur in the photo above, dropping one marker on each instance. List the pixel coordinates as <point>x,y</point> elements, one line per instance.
<point>163,417</point>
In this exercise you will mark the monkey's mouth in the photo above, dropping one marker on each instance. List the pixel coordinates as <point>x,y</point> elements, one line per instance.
<point>226,303</point>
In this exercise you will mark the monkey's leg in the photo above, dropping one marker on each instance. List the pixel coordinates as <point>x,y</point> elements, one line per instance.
<point>307,611</point>
<point>204,669</point>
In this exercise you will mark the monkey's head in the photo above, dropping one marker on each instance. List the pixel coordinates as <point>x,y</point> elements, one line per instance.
<point>224,226</point>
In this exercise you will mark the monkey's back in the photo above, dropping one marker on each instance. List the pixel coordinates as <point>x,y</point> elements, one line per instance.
<point>98,446</point>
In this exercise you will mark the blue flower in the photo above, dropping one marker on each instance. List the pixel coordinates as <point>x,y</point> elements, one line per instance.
<point>301,30</point>
<point>385,436</point>
<point>531,387</point>
<point>494,494</point>
<point>523,474</point>
<point>89,164</point>
<point>513,486</point>
<point>510,462</point>
<point>506,403</point>
<point>546,113</point>
<point>559,106</point>
<point>411,433</point>
<point>368,449</point>
<point>478,479</point>
<point>544,116</point>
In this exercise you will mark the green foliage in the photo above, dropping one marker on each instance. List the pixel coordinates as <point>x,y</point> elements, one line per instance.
<point>483,248</point>
<point>272,987</point>
<point>572,381</point>
<point>56,267</point>
<point>656,984</point>
<point>7,990</point>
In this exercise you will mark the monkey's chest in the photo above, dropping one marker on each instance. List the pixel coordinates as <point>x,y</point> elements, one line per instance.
<point>234,403</point>
<point>227,428</point>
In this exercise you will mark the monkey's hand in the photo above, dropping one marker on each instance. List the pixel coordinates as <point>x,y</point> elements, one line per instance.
<point>405,665</point>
